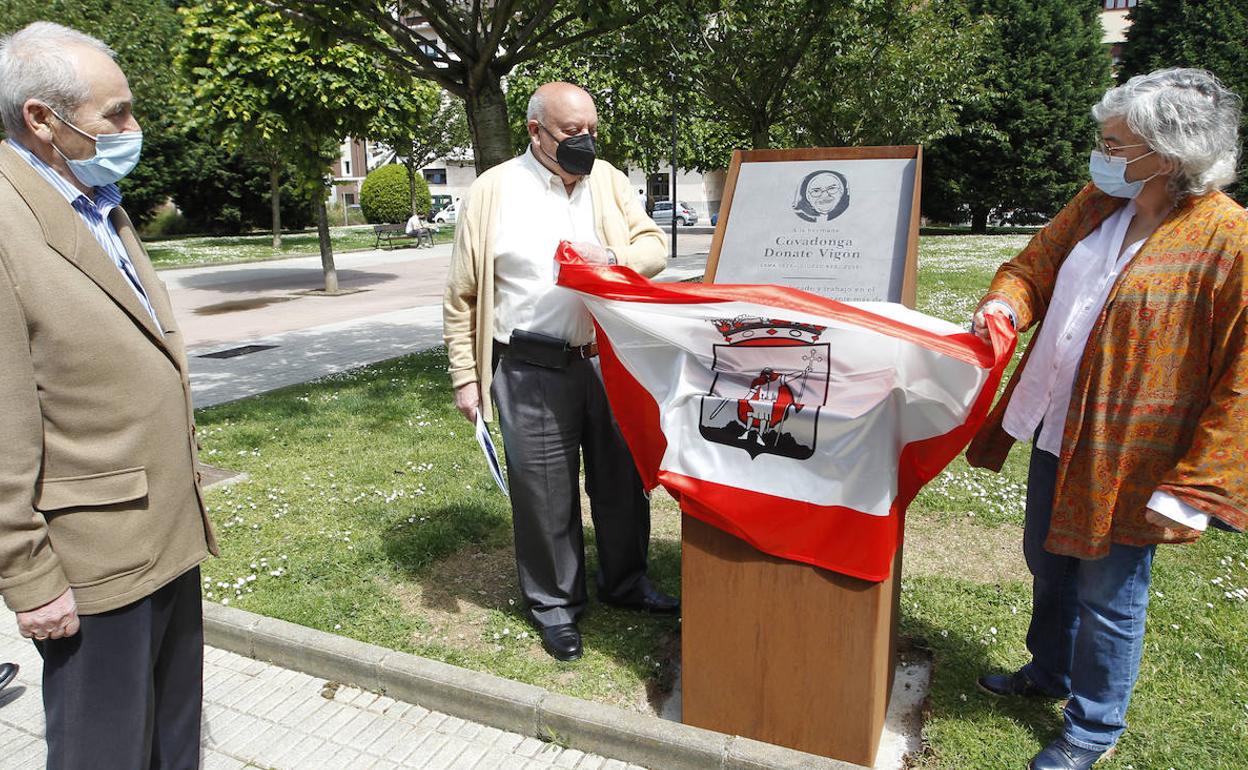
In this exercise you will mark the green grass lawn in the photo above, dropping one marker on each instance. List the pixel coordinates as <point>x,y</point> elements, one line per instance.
<point>368,512</point>
<point>225,250</point>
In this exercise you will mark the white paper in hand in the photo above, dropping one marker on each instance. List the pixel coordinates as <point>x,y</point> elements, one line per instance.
<point>491,456</point>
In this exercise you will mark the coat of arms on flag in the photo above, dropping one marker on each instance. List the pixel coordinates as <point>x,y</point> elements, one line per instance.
<point>771,379</point>
<point>802,425</point>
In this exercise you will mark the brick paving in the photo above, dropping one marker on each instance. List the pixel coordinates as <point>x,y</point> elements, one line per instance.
<point>262,716</point>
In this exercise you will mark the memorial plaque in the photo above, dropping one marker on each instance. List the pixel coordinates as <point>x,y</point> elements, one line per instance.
<point>838,222</point>
<point>776,650</point>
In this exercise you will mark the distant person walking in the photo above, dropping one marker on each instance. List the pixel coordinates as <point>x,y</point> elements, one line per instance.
<point>102,522</point>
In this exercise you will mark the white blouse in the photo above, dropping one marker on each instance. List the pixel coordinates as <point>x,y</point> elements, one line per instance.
<point>1042,396</point>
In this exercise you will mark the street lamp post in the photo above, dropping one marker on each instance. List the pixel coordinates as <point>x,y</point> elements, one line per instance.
<point>673,181</point>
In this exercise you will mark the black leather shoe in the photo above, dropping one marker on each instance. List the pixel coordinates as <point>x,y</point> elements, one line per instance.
<point>563,641</point>
<point>7,672</point>
<point>1013,685</point>
<point>1064,755</point>
<point>650,599</point>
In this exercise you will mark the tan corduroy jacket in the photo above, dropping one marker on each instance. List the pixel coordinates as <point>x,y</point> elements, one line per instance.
<point>468,322</point>
<point>97,473</point>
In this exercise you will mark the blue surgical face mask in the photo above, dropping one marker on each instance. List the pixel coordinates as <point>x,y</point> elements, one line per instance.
<point>1109,174</point>
<point>115,156</point>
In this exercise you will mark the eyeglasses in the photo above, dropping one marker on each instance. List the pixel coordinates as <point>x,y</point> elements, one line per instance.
<point>1110,150</point>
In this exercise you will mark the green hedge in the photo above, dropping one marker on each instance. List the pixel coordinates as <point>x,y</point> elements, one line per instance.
<point>384,195</point>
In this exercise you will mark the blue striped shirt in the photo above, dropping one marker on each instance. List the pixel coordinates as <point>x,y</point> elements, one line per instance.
<point>95,214</point>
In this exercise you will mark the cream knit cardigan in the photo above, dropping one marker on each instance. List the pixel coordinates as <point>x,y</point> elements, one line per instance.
<point>468,323</point>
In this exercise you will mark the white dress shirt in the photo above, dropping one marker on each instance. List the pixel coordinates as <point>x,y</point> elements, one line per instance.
<point>535,213</point>
<point>1042,396</point>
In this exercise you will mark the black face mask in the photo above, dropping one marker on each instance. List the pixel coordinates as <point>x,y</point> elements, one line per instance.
<point>575,154</point>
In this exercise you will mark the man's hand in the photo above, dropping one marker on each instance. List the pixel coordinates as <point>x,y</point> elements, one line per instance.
<point>978,323</point>
<point>591,252</point>
<point>467,399</point>
<point>1157,520</point>
<point>55,620</point>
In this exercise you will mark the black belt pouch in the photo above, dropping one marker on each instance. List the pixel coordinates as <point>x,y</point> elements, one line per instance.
<point>538,349</point>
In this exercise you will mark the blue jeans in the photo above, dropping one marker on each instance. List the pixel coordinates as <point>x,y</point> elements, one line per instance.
<point>1087,620</point>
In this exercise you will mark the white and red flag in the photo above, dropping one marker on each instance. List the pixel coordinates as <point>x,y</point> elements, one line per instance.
<point>802,425</point>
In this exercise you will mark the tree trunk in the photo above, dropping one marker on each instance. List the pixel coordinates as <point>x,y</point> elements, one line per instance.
<point>411,184</point>
<point>760,133</point>
<point>275,200</point>
<point>327,250</point>
<point>979,221</point>
<point>487,120</point>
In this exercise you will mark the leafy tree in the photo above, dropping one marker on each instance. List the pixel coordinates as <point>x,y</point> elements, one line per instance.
<point>417,141</point>
<point>1022,151</point>
<point>477,44</point>
<point>863,72</point>
<point>142,32</point>
<point>630,75</point>
<point>259,81</point>
<point>890,72</point>
<point>748,57</point>
<point>1210,35</point>
<point>385,196</point>
<point>226,190</point>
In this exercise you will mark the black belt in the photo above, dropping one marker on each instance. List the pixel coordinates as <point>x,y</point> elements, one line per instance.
<point>540,350</point>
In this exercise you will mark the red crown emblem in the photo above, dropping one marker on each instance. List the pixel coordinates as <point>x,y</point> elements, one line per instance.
<point>753,330</point>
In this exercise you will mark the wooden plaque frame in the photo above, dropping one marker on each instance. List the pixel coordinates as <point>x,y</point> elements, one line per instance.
<point>776,650</point>
<point>899,152</point>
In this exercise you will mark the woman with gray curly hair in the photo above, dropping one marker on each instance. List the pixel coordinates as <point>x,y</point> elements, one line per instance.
<point>1133,391</point>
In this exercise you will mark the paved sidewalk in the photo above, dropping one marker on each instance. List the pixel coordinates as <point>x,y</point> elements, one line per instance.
<point>398,311</point>
<point>261,716</point>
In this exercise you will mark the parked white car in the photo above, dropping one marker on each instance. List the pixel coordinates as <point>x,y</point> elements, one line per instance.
<point>685,214</point>
<point>448,215</point>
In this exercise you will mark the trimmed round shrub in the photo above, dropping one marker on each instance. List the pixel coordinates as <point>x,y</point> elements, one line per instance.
<point>385,196</point>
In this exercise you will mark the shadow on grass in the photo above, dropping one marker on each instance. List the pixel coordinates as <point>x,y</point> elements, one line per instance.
<point>466,578</point>
<point>957,662</point>
<point>653,656</point>
<point>445,530</point>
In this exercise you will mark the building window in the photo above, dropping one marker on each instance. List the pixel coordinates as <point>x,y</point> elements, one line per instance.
<point>348,199</point>
<point>1119,5</point>
<point>435,175</point>
<point>346,167</point>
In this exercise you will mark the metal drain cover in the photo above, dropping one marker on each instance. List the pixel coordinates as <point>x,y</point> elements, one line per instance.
<point>236,352</point>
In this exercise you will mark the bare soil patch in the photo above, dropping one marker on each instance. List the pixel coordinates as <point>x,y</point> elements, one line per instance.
<point>455,599</point>
<point>960,547</point>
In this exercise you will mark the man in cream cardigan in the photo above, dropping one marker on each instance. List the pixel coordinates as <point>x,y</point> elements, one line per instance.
<point>512,333</point>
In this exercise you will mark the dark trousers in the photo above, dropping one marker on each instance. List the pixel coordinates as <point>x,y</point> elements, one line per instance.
<point>548,417</point>
<point>126,691</point>
<point>1086,636</point>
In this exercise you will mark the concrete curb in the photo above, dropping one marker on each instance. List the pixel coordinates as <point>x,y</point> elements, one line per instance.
<point>473,695</point>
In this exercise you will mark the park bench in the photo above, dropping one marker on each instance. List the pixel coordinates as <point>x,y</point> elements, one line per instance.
<point>390,232</point>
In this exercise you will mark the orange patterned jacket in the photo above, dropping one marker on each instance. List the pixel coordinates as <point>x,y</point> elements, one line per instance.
<point>1161,395</point>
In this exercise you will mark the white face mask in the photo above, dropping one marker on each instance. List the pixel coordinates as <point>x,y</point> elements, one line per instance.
<point>115,156</point>
<point>1109,174</point>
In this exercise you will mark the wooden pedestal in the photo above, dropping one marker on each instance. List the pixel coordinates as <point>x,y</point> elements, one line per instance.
<point>784,652</point>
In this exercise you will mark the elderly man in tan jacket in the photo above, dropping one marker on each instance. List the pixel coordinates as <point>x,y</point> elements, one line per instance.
<point>512,333</point>
<point>102,524</point>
